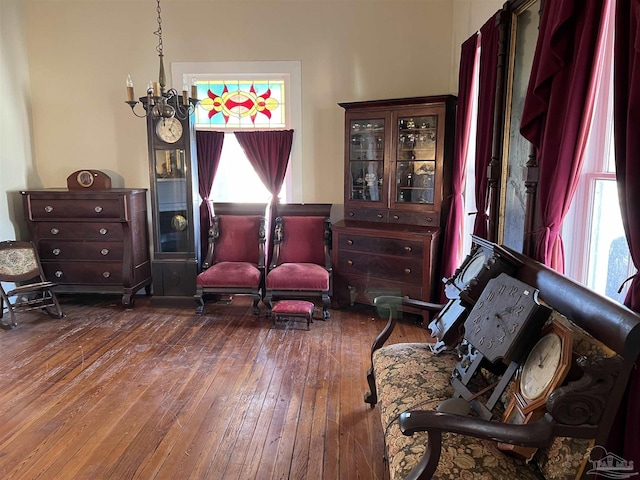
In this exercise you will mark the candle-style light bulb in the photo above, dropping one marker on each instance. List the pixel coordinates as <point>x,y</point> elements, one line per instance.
<point>194,88</point>
<point>130,95</point>
<point>185,94</point>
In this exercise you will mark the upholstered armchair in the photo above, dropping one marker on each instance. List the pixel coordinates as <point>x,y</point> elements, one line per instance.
<point>300,266</point>
<point>235,260</point>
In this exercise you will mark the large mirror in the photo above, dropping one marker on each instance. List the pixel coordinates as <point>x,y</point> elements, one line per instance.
<point>523,35</point>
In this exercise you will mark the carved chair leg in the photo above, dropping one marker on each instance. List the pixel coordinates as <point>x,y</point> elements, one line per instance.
<point>199,299</point>
<point>256,299</point>
<point>326,301</point>
<point>268,302</point>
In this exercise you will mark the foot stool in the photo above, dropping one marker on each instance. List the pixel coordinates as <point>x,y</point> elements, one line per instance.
<point>293,308</point>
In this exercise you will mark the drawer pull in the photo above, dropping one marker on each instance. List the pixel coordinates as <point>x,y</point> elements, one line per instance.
<point>349,242</point>
<point>429,219</point>
<point>106,274</point>
<point>408,249</point>
<point>407,271</point>
<point>104,251</point>
<point>396,217</point>
<point>58,274</point>
<point>48,209</point>
<point>351,214</point>
<point>56,251</point>
<point>103,231</point>
<point>379,215</point>
<point>55,231</point>
<point>98,209</point>
<point>350,263</point>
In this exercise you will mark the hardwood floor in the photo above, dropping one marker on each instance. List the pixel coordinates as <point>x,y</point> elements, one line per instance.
<point>162,393</point>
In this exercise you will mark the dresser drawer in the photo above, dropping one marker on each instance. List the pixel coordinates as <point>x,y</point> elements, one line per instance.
<point>367,215</point>
<point>76,230</point>
<point>413,218</point>
<point>69,250</point>
<point>83,273</point>
<point>406,270</point>
<point>380,245</point>
<point>92,208</point>
<point>366,289</point>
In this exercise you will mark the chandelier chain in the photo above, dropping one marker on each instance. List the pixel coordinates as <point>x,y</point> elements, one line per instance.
<point>159,31</point>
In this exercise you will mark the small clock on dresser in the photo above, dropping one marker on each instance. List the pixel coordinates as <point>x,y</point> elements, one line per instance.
<point>173,173</point>
<point>88,180</point>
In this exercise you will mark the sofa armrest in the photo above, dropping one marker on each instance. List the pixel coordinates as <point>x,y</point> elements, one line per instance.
<point>537,434</point>
<point>392,303</point>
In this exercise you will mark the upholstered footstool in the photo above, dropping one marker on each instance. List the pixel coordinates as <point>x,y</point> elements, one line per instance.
<point>284,309</point>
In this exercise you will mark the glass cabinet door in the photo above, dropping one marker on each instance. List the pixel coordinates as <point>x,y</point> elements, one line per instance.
<point>171,202</point>
<point>415,167</point>
<point>366,159</point>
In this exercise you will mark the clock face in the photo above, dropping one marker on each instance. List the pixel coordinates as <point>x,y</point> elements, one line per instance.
<point>546,367</point>
<point>541,366</point>
<point>84,178</point>
<point>473,268</point>
<point>506,310</point>
<point>169,130</point>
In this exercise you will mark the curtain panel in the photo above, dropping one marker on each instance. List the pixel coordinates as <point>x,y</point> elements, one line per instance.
<point>627,150</point>
<point>488,77</point>
<point>209,147</point>
<point>453,237</point>
<point>552,120</point>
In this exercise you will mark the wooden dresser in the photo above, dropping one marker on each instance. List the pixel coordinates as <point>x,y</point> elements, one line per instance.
<point>377,259</point>
<point>92,241</point>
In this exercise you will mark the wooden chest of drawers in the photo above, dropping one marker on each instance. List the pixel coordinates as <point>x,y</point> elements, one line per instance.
<point>92,241</point>
<point>383,259</point>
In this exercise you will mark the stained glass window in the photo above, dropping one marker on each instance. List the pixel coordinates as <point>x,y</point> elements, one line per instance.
<point>240,104</point>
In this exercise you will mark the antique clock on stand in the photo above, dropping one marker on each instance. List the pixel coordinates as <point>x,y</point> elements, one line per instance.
<point>173,171</point>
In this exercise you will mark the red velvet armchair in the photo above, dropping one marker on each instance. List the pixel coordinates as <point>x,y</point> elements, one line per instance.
<point>235,260</point>
<point>301,263</point>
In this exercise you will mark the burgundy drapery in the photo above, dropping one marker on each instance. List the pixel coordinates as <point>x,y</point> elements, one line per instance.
<point>627,148</point>
<point>552,120</point>
<point>488,76</point>
<point>453,233</point>
<point>209,145</point>
<point>268,152</point>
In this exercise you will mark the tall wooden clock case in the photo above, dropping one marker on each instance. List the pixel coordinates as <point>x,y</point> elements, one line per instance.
<point>173,172</point>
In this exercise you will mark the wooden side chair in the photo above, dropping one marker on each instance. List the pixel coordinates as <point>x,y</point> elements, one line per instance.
<point>235,260</point>
<point>20,266</point>
<point>300,266</point>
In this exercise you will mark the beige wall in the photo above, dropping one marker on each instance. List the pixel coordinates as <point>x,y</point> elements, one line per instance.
<point>79,53</point>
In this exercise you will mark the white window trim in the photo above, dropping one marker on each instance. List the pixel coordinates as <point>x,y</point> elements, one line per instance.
<point>181,71</point>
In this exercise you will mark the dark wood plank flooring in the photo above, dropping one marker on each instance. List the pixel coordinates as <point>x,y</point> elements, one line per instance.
<point>162,393</point>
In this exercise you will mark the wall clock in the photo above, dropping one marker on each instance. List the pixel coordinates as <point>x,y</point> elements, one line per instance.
<point>505,316</point>
<point>88,180</point>
<point>544,370</point>
<point>485,261</point>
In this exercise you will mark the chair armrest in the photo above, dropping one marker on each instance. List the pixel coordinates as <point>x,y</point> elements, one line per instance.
<point>536,434</point>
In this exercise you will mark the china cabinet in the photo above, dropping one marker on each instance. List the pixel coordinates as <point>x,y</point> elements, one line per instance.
<point>397,171</point>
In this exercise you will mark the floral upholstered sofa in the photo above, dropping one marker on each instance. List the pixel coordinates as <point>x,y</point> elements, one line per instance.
<point>426,438</point>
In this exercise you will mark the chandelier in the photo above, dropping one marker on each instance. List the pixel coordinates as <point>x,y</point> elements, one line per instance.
<point>160,102</point>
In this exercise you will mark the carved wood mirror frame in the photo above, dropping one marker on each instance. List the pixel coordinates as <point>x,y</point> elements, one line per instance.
<point>513,172</point>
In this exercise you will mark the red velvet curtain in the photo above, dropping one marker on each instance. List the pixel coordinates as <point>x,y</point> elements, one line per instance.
<point>489,35</point>
<point>553,120</point>
<point>268,152</point>
<point>209,146</point>
<point>453,233</point>
<point>627,149</point>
